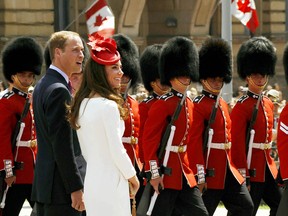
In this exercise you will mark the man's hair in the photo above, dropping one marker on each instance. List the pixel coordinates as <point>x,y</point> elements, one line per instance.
<point>58,40</point>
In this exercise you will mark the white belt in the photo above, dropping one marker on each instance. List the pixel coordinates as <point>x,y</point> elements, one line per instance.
<point>178,149</point>
<point>222,146</point>
<point>29,143</point>
<point>131,140</point>
<point>262,146</point>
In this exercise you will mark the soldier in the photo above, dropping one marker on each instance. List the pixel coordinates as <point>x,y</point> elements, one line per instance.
<point>149,63</point>
<point>224,182</point>
<point>22,61</point>
<point>252,123</point>
<point>179,195</point>
<point>131,69</point>
<point>282,138</point>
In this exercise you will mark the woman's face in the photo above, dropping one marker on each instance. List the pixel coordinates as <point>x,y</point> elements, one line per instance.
<point>114,74</point>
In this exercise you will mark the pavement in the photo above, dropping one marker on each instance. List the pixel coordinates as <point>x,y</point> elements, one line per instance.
<point>221,211</point>
<point>26,210</point>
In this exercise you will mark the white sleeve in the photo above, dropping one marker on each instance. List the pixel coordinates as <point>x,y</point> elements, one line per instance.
<point>114,136</point>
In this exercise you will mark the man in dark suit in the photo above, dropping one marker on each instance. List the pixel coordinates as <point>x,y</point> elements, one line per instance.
<point>57,186</point>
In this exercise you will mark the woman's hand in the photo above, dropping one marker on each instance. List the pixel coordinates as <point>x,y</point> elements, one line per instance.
<point>133,186</point>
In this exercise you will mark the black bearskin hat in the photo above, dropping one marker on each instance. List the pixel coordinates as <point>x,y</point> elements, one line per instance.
<point>149,61</point>
<point>285,62</point>
<point>21,54</point>
<point>256,55</point>
<point>215,59</point>
<point>179,57</point>
<point>129,57</point>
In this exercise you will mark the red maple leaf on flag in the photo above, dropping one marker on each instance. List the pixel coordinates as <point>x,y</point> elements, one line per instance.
<point>244,6</point>
<point>245,11</point>
<point>99,20</point>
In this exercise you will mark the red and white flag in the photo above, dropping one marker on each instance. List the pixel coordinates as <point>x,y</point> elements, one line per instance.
<point>100,19</point>
<point>245,11</point>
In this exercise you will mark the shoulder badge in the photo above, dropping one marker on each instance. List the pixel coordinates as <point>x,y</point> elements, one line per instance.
<point>8,94</point>
<point>166,96</point>
<point>148,99</point>
<point>198,98</point>
<point>242,99</point>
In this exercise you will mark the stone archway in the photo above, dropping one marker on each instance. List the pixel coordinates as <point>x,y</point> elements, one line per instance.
<point>162,19</point>
<point>128,15</point>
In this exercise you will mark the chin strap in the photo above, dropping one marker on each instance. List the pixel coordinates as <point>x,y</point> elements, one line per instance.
<point>209,88</point>
<point>252,83</point>
<point>19,83</point>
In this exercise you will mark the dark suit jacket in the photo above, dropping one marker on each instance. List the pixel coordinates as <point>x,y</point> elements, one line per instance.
<point>56,172</point>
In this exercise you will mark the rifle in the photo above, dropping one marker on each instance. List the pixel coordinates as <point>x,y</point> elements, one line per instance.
<point>17,130</point>
<point>208,134</point>
<point>148,190</point>
<point>250,135</point>
<point>167,132</point>
<point>16,138</point>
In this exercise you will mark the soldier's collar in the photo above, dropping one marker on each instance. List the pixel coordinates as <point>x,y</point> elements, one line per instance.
<point>210,95</point>
<point>253,95</point>
<point>156,95</point>
<point>19,92</point>
<point>176,93</point>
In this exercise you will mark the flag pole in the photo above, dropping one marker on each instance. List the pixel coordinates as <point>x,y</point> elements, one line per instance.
<point>226,33</point>
<point>79,15</point>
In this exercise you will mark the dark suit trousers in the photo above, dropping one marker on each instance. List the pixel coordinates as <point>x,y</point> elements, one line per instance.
<point>56,210</point>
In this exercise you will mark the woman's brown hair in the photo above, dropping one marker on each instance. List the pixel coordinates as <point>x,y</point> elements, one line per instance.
<point>94,81</point>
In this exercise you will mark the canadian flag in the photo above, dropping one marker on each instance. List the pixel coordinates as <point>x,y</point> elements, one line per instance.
<point>245,11</point>
<point>100,19</point>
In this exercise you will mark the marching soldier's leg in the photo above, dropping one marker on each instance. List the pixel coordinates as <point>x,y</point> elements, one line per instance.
<point>14,200</point>
<point>256,193</point>
<point>189,202</point>
<point>236,198</point>
<point>283,207</point>
<point>165,202</point>
<point>272,194</point>
<point>211,199</point>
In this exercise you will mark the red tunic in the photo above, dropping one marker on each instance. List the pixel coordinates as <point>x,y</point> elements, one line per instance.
<point>218,158</point>
<point>241,115</point>
<point>144,107</point>
<point>132,125</point>
<point>154,128</point>
<point>282,142</point>
<point>11,107</point>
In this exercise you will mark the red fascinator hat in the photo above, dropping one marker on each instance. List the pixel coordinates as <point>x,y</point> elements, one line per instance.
<point>103,50</point>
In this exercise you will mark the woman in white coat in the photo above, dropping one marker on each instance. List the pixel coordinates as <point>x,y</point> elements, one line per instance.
<point>97,114</point>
